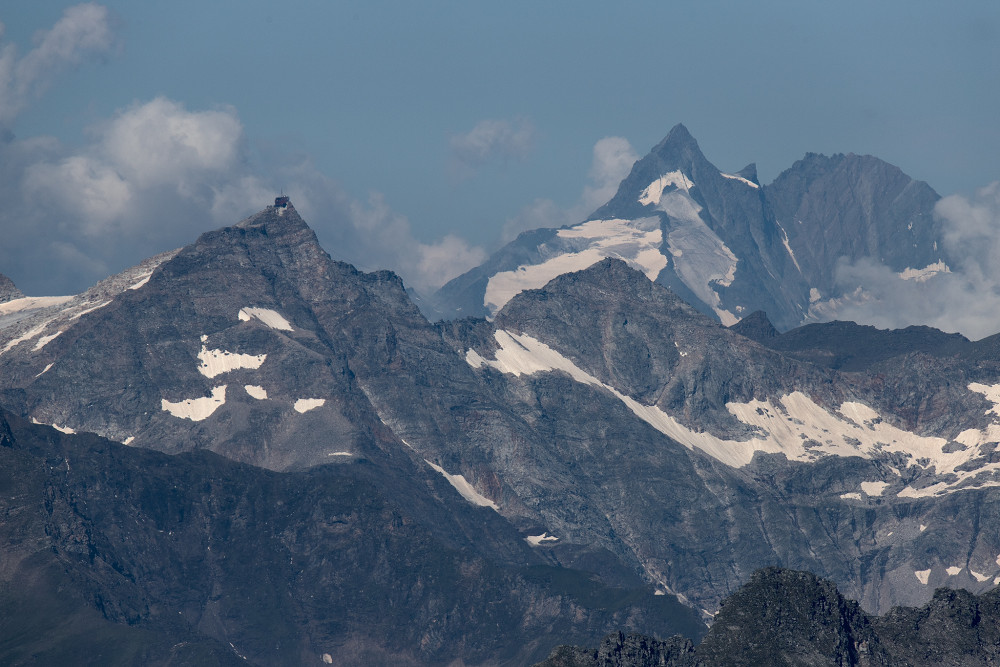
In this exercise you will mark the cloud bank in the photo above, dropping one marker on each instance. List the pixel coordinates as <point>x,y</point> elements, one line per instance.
<point>155,176</point>
<point>492,140</point>
<point>965,300</point>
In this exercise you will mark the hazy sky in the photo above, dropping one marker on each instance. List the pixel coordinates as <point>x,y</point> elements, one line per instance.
<point>419,136</point>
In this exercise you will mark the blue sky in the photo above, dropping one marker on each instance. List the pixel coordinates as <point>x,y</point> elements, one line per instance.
<point>420,136</point>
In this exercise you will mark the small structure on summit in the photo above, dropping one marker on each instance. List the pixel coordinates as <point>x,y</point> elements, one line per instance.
<point>281,202</point>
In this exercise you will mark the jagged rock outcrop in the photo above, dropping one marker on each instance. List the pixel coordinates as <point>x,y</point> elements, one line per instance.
<point>794,619</point>
<point>8,291</point>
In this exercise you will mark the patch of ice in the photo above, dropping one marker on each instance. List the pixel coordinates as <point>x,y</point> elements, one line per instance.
<point>142,281</point>
<point>654,191</point>
<point>269,317</point>
<point>304,405</point>
<point>256,391</point>
<point>788,247</point>
<point>953,570</point>
<point>796,419</point>
<point>217,362</point>
<point>83,312</point>
<point>926,273</point>
<point>701,259</point>
<point>466,490</point>
<point>741,179</point>
<point>851,496</point>
<point>922,576</point>
<point>32,303</point>
<point>536,540</point>
<point>26,336</point>
<point>636,242</point>
<point>474,359</point>
<point>45,340</point>
<point>873,488</point>
<point>196,409</point>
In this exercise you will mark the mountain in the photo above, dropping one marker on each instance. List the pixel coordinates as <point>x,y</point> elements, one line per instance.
<point>726,243</point>
<point>783,617</point>
<point>596,448</point>
<point>701,456</point>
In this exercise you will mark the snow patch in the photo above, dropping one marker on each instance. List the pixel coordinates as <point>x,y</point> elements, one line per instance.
<point>636,242</point>
<point>269,317</point>
<point>217,362</point>
<point>536,540</point>
<point>196,409</point>
<point>922,576</point>
<point>701,259</point>
<point>304,405</point>
<point>742,180</point>
<point>464,488</point>
<point>953,570</point>
<point>788,247</point>
<point>63,429</point>
<point>128,440</point>
<point>787,426</point>
<point>45,340</point>
<point>142,281</point>
<point>32,303</point>
<point>44,370</point>
<point>654,191</point>
<point>873,488</point>
<point>340,454</point>
<point>89,310</point>
<point>851,496</point>
<point>256,391</point>
<point>923,527</point>
<point>978,575</point>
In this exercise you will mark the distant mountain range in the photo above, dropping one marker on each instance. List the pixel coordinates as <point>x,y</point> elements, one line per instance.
<point>726,243</point>
<point>335,479</point>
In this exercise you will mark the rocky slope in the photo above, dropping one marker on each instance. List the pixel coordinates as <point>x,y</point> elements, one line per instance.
<point>783,617</point>
<point>606,424</point>
<point>119,555</point>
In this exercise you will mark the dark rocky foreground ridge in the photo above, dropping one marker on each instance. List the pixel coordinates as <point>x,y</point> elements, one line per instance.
<point>117,555</point>
<point>787,618</point>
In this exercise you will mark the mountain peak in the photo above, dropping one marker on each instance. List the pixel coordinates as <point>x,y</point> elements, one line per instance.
<point>8,291</point>
<point>678,147</point>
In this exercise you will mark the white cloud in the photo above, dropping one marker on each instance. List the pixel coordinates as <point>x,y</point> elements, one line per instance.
<point>612,160</point>
<point>82,31</point>
<point>966,300</point>
<point>160,142</point>
<point>155,176</point>
<point>493,139</point>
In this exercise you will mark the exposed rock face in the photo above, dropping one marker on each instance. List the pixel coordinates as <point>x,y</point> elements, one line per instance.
<point>8,291</point>
<point>611,426</point>
<point>119,555</point>
<point>783,617</point>
<point>724,242</point>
